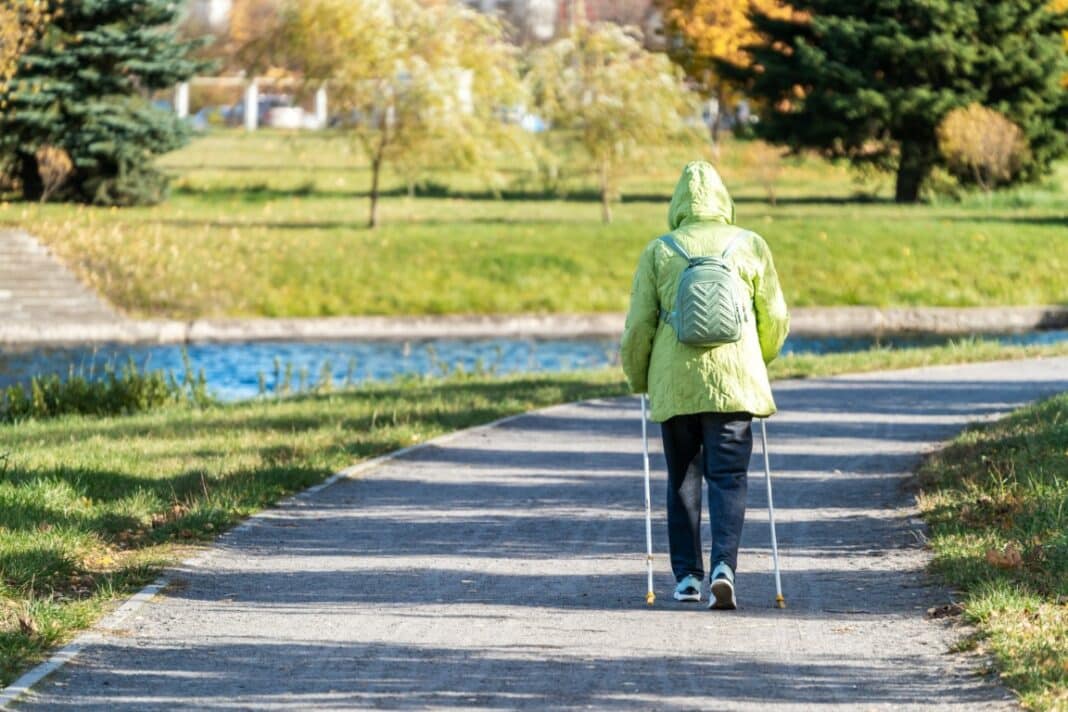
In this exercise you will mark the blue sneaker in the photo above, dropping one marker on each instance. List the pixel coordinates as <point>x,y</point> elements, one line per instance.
<point>721,588</point>
<point>689,589</point>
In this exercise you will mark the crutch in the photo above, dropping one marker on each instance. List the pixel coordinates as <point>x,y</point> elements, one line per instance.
<point>780,602</point>
<point>650,597</point>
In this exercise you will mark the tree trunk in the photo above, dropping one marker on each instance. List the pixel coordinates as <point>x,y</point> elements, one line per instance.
<point>30,177</point>
<point>715,130</point>
<point>606,206</point>
<point>917,160</point>
<point>376,168</point>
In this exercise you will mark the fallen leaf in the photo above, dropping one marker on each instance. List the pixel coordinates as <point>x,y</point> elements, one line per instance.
<point>946,610</point>
<point>1010,558</point>
<point>27,625</point>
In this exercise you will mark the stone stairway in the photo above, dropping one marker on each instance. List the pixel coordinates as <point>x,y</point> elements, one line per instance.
<point>37,290</point>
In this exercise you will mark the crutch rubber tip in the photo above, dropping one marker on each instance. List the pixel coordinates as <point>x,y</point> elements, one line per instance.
<point>650,598</point>
<point>780,602</point>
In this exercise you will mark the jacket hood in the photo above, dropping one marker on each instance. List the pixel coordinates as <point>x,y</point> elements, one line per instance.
<point>700,195</point>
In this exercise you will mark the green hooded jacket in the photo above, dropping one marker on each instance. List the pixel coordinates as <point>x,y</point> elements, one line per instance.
<point>683,379</point>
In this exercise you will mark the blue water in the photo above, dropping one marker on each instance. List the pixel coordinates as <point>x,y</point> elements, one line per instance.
<point>233,370</point>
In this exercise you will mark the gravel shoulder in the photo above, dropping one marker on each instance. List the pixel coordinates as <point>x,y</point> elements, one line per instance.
<point>504,568</point>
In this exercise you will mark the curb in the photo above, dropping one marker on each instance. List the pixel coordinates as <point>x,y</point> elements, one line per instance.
<point>806,321</point>
<point>97,633</point>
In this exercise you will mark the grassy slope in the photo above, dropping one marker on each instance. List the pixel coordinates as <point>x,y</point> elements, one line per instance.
<point>274,225</point>
<point>90,508</point>
<point>997,501</point>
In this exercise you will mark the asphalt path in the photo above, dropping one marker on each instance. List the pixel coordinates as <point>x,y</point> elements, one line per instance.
<point>504,568</point>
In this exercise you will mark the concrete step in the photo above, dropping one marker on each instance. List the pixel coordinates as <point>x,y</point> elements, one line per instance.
<point>36,287</point>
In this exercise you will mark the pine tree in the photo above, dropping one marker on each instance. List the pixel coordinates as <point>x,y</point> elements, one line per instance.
<point>870,80</point>
<point>86,87</point>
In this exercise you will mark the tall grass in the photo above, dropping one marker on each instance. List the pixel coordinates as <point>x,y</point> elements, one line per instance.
<point>115,391</point>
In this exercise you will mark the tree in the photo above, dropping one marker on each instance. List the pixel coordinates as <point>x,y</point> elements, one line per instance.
<point>981,145</point>
<point>84,87</point>
<point>871,81</point>
<point>248,42</point>
<point>1062,6</point>
<point>619,98</point>
<point>413,81</point>
<point>20,22</point>
<point>707,32</point>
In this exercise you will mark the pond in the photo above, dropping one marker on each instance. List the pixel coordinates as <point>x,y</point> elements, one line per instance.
<point>234,370</point>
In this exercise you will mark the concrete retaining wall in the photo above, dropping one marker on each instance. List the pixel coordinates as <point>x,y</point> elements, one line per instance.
<point>840,321</point>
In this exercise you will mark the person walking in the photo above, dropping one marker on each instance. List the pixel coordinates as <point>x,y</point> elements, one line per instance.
<point>704,397</point>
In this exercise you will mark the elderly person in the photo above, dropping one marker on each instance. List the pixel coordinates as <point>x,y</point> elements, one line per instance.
<point>704,397</point>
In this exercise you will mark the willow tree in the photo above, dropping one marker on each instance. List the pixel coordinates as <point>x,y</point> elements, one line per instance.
<point>411,82</point>
<point>618,98</point>
<point>249,41</point>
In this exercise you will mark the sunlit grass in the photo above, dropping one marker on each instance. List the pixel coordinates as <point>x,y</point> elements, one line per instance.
<point>271,225</point>
<point>997,501</point>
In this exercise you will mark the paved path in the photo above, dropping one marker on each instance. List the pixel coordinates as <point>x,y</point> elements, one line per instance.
<point>36,287</point>
<point>504,569</point>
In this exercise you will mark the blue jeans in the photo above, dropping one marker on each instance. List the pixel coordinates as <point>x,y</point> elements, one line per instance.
<point>721,444</point>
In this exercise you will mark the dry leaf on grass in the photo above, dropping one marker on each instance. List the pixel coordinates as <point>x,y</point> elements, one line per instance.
<point>1010,558</point>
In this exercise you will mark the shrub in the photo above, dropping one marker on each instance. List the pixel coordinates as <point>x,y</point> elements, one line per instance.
<point>981,145</point>
<point>55,167</point>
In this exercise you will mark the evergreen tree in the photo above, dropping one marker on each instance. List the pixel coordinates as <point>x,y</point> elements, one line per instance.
<point>870,80</point>
<point>86,87</point>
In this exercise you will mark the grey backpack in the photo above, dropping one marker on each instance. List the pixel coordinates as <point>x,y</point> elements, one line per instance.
<point>708,310</point>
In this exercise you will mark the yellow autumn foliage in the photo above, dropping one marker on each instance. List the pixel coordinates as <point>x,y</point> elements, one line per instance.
<point>1062,6</point>
<point>719,30</point>
<point>20,22</point>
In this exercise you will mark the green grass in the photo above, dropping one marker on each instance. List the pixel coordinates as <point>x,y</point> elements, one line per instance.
<point>273,225</point>
<point>92,508</point>
<point>997,503</point>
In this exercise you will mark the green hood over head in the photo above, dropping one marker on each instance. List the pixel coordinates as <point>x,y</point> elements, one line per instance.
<point>700,195</point>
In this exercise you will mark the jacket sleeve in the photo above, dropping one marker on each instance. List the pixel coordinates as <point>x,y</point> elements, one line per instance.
<point>640,328</point>
<point>772,316</point>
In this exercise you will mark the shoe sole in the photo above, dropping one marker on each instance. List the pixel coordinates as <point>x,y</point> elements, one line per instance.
<point>722,595</point>
<point>687,596</point>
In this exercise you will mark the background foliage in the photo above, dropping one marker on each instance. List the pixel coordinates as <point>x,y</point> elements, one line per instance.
<point>83,87</point>
<point>871,81</point>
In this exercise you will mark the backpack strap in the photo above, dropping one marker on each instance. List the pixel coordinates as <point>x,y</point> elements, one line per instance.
<point>675,247</point>
<point>669,240</point>
<point>734,243</point>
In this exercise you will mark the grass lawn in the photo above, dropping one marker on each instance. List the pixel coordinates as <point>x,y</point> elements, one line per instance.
<point>92,508</point>
<point>997,502</point>
<point>272,224</point>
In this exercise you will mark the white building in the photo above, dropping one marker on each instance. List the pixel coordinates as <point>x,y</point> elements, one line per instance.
<point>213,13</point>
<point>532,19</point>
<point>541,20</point>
